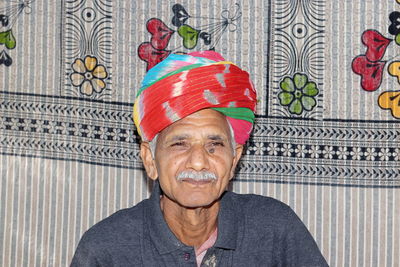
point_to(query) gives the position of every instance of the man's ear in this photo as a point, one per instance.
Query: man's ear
(148, 161)
(236, 158)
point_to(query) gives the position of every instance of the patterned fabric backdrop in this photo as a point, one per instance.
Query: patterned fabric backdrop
(327, 134)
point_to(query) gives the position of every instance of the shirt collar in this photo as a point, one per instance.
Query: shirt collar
(163, 238)
(227, 223)
(166, 242)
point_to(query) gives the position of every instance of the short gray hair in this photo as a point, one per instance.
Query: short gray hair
(153, 142)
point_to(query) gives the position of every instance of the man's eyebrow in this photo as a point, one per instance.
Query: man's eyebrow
(177, 138)
(216, 137)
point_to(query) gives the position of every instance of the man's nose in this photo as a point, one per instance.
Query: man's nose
(197, 158)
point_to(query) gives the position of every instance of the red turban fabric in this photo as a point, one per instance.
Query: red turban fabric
(183, 84)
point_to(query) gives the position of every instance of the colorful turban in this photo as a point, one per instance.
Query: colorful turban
(183, 84)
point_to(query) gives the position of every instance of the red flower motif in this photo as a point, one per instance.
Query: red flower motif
(376, 44)
(151, 55)
(370, 72)
(370, 66)
(154, 52)
(160, 33)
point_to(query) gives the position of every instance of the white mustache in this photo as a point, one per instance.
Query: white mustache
(198, 176)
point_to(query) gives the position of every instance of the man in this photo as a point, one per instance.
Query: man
(194, 113)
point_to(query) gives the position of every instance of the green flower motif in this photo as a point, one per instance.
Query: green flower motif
(298, 93)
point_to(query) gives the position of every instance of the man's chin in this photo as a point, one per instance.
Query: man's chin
(198, 201)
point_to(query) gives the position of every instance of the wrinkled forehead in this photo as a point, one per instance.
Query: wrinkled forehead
(206, 122)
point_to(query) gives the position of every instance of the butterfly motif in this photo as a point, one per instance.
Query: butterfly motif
(210, 34)
(9, 13)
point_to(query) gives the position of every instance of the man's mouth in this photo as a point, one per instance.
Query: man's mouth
(197, 182)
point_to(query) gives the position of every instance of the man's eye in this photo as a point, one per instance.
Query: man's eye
(217, 143)
(178, 144)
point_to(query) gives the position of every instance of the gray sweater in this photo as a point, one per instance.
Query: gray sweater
(252, 231)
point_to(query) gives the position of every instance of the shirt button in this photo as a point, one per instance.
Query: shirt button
(186, 256)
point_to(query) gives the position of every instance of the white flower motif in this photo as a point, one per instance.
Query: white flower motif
(54, 127)
(328, 152)
(315, 151)
(273, 149)
(370, 153)
(74, 129)
(356, 153)
(15, 124)
(43, 126)
(384, 154)
(287, 150)
(342, 152)
(300, 151)
(259, 148)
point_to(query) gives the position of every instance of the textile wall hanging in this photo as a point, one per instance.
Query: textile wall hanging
(327, 134)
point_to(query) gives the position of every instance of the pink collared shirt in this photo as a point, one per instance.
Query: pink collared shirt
(202, 250)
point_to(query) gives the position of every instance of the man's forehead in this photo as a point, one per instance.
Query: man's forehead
(208, 123)
(178, 137)
(181, 132)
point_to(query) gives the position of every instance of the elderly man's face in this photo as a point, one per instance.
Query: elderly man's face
(199, 143)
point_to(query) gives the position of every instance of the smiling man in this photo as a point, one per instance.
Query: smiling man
(194, 113)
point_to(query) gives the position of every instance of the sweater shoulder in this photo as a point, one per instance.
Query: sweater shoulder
(262, 203)
(121, 225)
(263, 209)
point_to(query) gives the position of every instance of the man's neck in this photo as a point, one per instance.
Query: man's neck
(192, 226)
